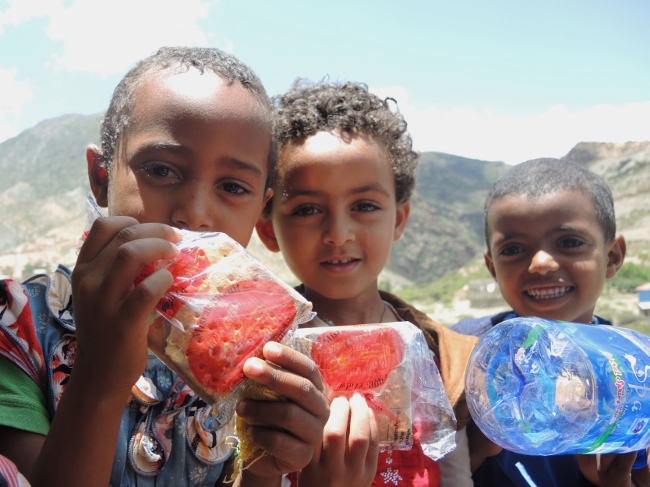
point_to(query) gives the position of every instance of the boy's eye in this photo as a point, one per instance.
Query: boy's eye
(159, 171)
(366, 206)
(234, 188)
(510, 250)
(571, 243)
(305, 211)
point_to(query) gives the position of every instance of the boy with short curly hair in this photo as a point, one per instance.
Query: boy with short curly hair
(346, 172)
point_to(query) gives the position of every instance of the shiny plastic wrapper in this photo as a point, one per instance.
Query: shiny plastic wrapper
(221, 309)
(392, 367)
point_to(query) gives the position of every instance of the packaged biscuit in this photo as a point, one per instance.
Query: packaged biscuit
(222, 308)
(391, 365)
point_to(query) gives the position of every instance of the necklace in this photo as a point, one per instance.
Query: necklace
(381, 318)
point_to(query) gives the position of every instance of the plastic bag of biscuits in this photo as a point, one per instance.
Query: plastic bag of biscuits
(391, 365)
(222, 308)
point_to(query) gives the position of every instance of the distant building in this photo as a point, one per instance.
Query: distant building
(644, 299)
(484, 293)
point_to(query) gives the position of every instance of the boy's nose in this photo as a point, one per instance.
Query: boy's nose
(338, 231)
(542, 263)
(192, 208)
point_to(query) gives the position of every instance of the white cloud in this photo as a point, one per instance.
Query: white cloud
(13, 95)
(19, 11)
(107, 37)
(485, 134)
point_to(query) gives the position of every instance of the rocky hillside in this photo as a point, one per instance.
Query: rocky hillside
(626, 168)
(43, 187)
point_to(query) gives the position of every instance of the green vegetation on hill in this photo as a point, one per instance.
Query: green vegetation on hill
(629, 277)
(444, 289)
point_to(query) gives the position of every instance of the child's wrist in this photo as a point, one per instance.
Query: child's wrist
(248, 478)
(92, 388)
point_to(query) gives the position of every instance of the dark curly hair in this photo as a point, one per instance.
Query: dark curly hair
(540, 177)
(308, 108)
(176, 60)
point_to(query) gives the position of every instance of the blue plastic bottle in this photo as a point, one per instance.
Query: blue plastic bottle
(541, 387)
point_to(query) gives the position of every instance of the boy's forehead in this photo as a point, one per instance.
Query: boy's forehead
(553, 200)
(522, 210)
(326, 145)
(173, 94)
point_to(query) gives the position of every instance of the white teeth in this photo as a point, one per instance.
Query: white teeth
(344, 261)
(548, 293)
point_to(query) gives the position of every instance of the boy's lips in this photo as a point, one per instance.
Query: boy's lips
(340, 264)
(552, 292)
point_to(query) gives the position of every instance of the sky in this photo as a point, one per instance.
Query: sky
(502, 80)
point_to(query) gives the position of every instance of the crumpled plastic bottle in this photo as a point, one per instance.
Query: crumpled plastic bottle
(542, 387)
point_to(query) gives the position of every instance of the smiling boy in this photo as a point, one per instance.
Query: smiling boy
(551, 239)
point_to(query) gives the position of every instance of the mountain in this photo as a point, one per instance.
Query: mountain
(44, 180)
(445, 229)
(626, 168)
(43, 188)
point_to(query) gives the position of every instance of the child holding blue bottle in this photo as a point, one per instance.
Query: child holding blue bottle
(551, 240)
(186, 143)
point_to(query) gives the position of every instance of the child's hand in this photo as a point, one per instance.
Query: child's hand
(608, 469)
(480, 447)
(350, 447)
(110, 313)
(290, 431)
(641, 476)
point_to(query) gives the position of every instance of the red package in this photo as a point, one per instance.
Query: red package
(222, 308)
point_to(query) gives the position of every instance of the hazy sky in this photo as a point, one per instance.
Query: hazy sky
(497, 80)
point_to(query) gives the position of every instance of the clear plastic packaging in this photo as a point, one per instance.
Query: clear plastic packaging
(392, 366)
(221, 309)
(542, 387)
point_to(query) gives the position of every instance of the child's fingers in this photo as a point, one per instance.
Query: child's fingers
(293, 361)
(615, 468)
(101, 233)
(142, 300)
(114, 254)
(289, 454)
(284, 416)
(292, 375)
(336, 429)
(117, 230)
(363, 442)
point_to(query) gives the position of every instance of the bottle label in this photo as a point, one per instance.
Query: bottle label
(621, 361)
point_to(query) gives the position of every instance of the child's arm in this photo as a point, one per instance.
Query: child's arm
(290, 431)
(20, 447)
(350, 447)
(111, 319)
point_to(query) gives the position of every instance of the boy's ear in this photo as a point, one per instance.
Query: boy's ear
(402, 212)
(264, 227)
(615, 256)
(268, 195)
(97, 175)
(489, 264)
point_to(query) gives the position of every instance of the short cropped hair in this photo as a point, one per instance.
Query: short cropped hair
(308, 108)
(176, 60)
(540, 177)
